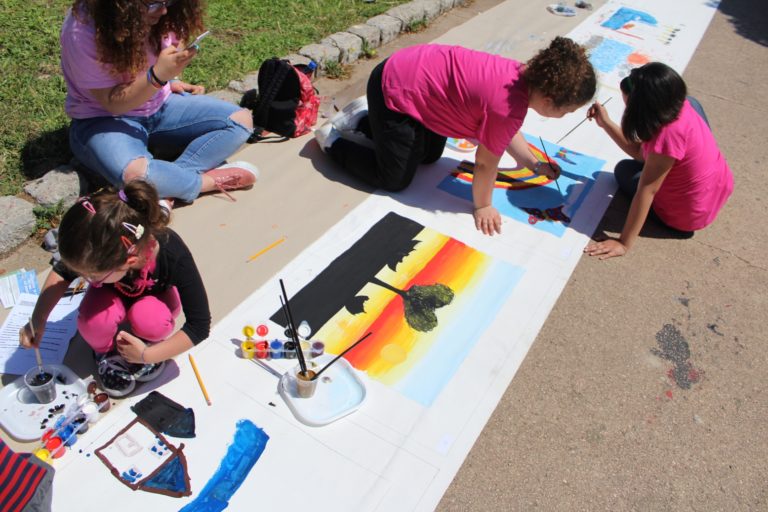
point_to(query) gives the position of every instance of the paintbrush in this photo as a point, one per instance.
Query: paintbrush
(581, 122)
(340, 355)
(38, 355)
(294, 333)
(549, 164)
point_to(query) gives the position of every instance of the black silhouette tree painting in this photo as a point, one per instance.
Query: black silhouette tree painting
(387, 243)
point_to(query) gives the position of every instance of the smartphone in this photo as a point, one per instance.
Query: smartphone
(197, 41)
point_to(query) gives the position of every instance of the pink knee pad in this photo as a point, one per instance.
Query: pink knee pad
(152, 319)
(100, 314)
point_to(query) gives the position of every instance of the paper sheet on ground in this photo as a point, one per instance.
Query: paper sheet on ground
(61, 327)
(22, 281)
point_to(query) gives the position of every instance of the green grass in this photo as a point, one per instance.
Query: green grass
(33, 136)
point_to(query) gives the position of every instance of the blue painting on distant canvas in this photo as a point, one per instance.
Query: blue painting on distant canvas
(626, 15)
(528, 198)
(609, 55)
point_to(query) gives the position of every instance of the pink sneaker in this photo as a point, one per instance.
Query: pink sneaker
(234, 176)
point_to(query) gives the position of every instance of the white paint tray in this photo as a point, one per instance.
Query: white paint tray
(339, 392)
(20, 412)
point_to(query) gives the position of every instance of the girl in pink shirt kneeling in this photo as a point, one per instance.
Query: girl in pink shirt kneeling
(425, 93)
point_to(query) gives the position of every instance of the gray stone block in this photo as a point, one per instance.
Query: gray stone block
(62, 184)
(446, 5)
(321, 53)
(348, 44)
(368, 33)
(390, 27)
(226, 95)
(408, 14)
(432, 8)
(297, 60)
(17, 222)
(250, 81)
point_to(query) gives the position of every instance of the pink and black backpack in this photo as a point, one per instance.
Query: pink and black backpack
(285, 103)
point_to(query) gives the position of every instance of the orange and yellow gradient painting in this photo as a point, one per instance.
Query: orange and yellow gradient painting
(417, 363)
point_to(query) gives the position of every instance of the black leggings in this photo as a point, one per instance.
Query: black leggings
(627, 172)
(401, 143)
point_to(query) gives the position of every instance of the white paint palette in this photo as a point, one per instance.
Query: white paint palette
(339, 392)
(21, 415)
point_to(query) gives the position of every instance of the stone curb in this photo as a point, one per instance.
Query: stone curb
(348, 46)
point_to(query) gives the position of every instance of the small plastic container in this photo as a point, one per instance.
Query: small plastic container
(41, 384)
(248, 349)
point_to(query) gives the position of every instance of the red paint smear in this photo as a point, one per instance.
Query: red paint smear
(669, 394)
(638, 59)
(439, 269)
(694, 375)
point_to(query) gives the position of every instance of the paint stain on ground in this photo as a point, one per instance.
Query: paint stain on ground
(713, 328)
(673, 347)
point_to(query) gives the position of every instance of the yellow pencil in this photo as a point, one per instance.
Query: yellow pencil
(267, 248)
(199, 380)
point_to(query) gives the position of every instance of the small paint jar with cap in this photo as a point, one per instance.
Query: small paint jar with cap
(289, 350)
(276, 349)
(318, 348)
(262, 349)
(248, 349)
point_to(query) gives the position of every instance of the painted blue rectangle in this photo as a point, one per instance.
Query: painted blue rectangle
(248, 445)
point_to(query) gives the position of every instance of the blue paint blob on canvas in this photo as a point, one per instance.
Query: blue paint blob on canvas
(171, 477)
(248, 445)
(578, 177)
(609, 54)
(626, 15)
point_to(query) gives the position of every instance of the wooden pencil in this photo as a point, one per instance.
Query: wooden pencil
(199, 380)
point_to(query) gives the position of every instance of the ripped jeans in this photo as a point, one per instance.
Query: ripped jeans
(198, 126)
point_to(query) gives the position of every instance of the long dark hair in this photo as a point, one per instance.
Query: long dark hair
(655, 95)
(95, 232)
(121, 33)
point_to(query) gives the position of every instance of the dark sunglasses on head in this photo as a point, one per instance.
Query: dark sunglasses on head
(156, 6)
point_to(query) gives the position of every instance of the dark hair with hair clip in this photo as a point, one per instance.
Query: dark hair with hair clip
(100, 231)
(563, 73)
(655, 95)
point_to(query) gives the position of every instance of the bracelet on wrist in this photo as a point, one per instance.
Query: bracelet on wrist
(142, 354)
(151, 81)
(536, 167)
(154, 80)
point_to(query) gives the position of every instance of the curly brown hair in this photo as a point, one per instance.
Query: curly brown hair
(562, 72)
(122, 33)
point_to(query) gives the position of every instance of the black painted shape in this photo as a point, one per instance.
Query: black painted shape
(387, 243)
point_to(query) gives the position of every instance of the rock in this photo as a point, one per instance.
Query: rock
(408, 14)
(321, 53)
(432, 8)
(298, 60)
(349, 45)
(368, 33)
(17, 222)
(390, 27)
(62, 184)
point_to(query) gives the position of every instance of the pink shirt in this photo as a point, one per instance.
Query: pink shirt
(700, 181)
(83, 71)
(457, 92)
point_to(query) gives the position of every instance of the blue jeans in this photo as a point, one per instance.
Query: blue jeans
(198, 126)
